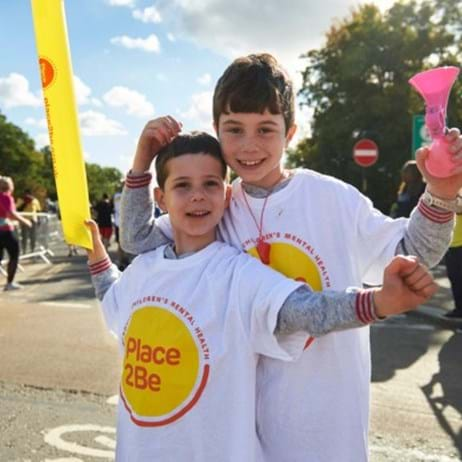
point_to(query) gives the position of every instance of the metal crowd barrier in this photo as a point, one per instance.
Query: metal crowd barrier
(47, 231)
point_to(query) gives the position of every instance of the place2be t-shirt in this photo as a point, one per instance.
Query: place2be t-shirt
(190, 332)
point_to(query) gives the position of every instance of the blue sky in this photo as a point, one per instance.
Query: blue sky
(134, 60)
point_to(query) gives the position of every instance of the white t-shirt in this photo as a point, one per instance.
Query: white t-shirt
(324, 232)
(190, 333)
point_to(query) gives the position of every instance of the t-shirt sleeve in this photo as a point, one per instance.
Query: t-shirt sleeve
(376, 238)
(262, 292)
(111, 305)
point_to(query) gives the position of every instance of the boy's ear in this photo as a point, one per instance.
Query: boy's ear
(159, 198)
(228, 192)
(290, 134)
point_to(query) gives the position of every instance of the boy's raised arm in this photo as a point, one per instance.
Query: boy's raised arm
(428, 233)
(103, 272)
(406, 284)
(138, 231)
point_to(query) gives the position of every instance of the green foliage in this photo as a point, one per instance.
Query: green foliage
(32, 169)
(358, 86)
(102, 180)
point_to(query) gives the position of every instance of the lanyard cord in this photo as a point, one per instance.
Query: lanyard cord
(259, 227)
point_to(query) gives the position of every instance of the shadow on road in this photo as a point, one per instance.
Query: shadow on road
(443, 391)
(407, 350)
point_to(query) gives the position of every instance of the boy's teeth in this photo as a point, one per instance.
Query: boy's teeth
(198, 214)
(250, 162)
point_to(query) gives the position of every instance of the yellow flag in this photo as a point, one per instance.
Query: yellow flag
(61, 112)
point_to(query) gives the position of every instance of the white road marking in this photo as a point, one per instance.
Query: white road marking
(105, 441)
(414, 453)
(54, 437)
(114, 400)
(403, 326)
(66, 305)
(63, 459)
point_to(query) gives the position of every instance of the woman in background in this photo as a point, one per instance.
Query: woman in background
(8, 240)
(411, 188)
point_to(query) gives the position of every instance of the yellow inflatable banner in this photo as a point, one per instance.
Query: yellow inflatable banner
(61, 112)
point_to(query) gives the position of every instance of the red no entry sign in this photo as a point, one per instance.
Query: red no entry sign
(365, 152)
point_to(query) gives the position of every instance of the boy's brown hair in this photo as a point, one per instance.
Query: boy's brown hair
(192, 143)
(255, 83)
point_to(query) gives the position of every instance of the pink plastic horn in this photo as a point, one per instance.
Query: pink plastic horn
(434, 86)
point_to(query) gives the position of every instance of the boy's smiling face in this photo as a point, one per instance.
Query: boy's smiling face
(253, 145)
(194, 195)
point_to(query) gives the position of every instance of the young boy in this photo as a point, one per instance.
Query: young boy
(310, 227)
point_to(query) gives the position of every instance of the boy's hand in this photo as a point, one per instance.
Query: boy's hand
(155, 135)
(406, 284)
(444, 188)
(99, 252)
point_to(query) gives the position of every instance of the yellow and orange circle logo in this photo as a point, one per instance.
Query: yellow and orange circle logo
(293, 263)
(47, 72)
(164, 373)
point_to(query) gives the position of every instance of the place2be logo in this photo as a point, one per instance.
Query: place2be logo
(165, 365)
(47, 71)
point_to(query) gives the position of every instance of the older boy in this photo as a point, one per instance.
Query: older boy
(310, 227)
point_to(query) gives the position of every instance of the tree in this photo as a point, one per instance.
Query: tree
(102, 180)
(32, 169)
(358, 86)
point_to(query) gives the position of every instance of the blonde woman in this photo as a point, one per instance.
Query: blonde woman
(8, 240)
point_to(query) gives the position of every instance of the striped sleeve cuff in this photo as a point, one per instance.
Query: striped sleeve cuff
(434, 214)
(364, 306)
(100, 266)
(138, 181)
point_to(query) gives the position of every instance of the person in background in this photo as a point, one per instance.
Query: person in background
(29, 204)
(8, 240)
(411, 188)
(123, 258)
(103, 217)
(453, 260)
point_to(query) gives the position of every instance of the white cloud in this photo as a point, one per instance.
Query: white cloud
(129, 3)
(82, 91)
(303, 118)
(241, 27)
(14, 92)
(133, 102)
(150, 14)
(199, 113)
(96, 102)
(98, 124)
(41, 123)
(171, 37)
(204, 79)
(150, 44)
(42, 140)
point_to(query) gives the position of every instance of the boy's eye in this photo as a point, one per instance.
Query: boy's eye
(266, 130)
(233, 130)
(181, 185)
(212, 183)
